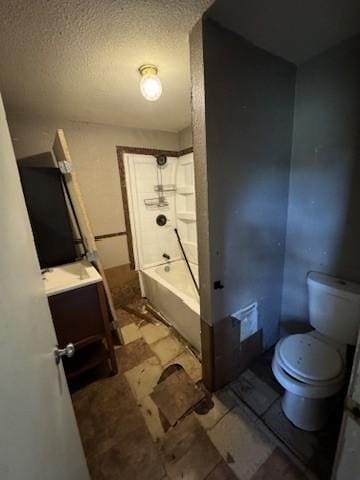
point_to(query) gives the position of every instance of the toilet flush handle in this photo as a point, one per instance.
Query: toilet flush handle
(68, 352)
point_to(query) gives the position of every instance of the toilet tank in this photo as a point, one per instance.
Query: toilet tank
(334, 307)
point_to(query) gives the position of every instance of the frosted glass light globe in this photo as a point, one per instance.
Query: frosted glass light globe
(150, 84)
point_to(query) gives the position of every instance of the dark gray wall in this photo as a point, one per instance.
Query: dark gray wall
(249, 96)
(296, 31)
(323, 231)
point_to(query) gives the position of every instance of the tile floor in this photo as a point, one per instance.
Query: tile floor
(243, 436)
(261, 393)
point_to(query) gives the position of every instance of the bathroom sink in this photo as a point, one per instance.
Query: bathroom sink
(69, 277)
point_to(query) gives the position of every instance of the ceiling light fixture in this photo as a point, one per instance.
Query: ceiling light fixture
(150, 84)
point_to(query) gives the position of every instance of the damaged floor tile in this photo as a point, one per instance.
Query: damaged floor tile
(176, 395)
(154, 332)
(278, 466)
(130, 333)
(254, 392)
(302, 443)
(222, 471)
(242, 445)
(116, 440)
(129, 459)
(224, 400)
(187, 451)
(179, 438)
(125, 430)
(151, 415)
(190, 364)
(144, 377)
(197, 462)
(167, 349)
(125, 318)
(130, 355)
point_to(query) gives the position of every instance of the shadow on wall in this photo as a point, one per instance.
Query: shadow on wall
(253, 226)
(45, 159)
(323, 229)
(249, 119)
(348, 256)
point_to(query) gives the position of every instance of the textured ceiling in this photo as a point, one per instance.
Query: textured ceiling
(293, 29)
(78, 59)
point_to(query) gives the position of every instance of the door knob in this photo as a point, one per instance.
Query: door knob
(68, 352)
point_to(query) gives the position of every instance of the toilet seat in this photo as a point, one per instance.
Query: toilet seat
(298, 383)
(309, 360)
(304, 389)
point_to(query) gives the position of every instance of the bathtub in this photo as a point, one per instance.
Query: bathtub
(170, 289)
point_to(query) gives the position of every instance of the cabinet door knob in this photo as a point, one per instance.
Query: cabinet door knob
(68, 352)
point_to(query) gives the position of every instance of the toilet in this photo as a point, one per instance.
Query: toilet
(311, 366)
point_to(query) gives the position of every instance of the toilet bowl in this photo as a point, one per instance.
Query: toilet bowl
(311, 367)
(311, 372)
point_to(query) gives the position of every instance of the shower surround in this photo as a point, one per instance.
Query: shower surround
(161, 197)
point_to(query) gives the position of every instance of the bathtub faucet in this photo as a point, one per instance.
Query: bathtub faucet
(165, 255)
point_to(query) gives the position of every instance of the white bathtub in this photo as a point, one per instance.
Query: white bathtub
(170, 289)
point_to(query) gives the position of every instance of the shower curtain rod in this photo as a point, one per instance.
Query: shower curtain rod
(186, 260)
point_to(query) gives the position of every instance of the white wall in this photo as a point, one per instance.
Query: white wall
(185, 138)
(93, 149)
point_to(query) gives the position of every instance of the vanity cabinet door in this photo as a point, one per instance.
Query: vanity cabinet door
(77, 315)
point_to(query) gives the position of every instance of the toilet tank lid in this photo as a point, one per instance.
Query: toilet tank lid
(340, 286)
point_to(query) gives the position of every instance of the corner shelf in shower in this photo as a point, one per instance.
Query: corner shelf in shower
(185, 190)
(187, 216)
(159, 202)
(189, 244)
(165, 188)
